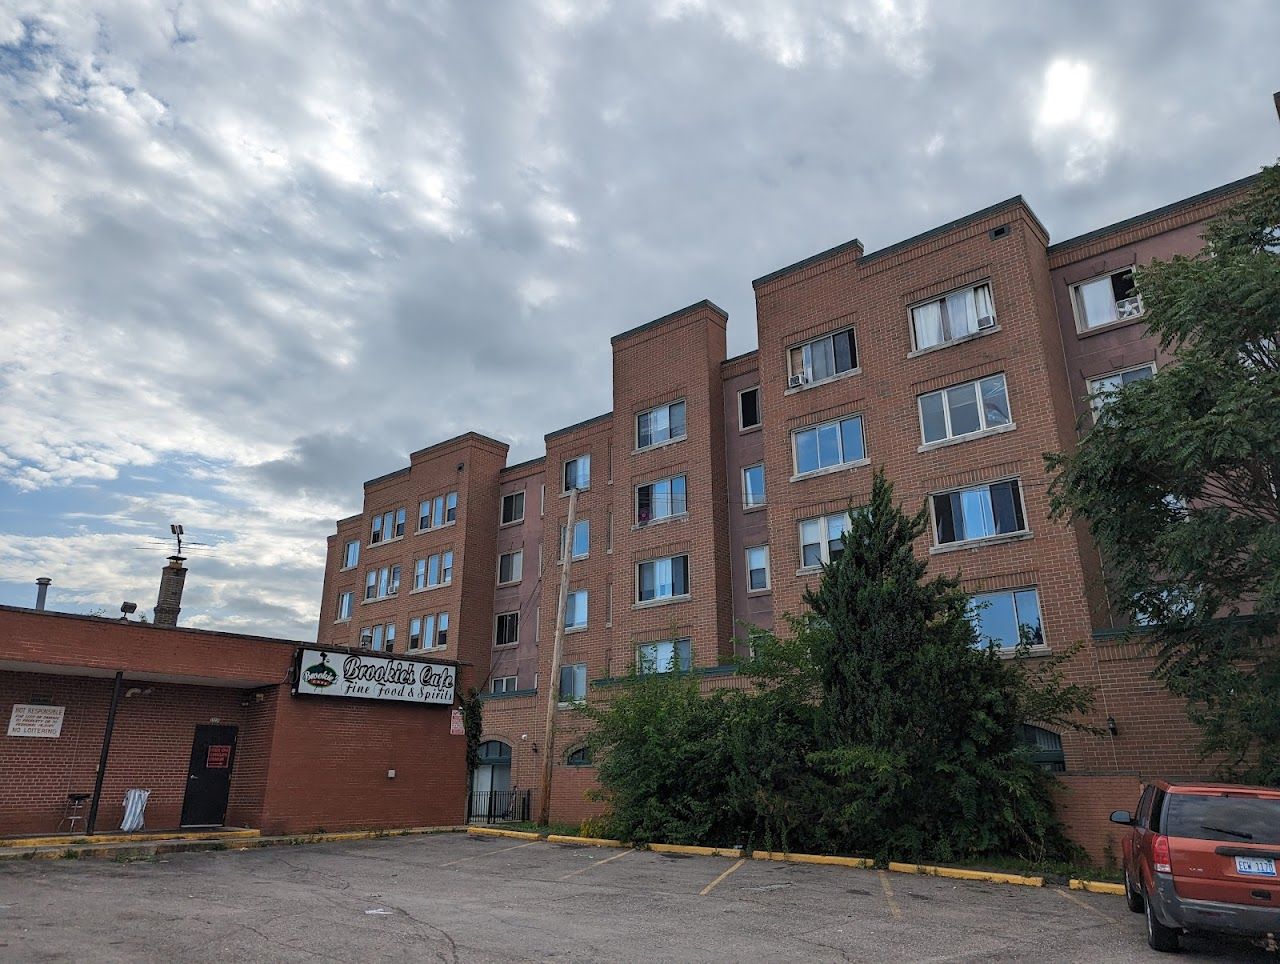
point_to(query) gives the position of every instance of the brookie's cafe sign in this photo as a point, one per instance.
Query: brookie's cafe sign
(367, 676)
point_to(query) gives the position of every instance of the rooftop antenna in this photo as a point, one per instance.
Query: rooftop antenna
(176, 529)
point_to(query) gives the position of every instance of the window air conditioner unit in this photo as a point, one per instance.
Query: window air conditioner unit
(985, 322)
(795, 381)
(366, 642)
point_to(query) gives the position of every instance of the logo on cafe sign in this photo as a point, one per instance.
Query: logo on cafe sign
(374, 677)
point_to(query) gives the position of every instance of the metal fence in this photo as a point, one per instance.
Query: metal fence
(499, 806)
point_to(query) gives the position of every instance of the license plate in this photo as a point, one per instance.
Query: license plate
(1256, 866)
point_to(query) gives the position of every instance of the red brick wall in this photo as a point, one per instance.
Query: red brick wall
(1084, 804)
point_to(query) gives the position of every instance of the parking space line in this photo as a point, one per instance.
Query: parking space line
(490, 853)
(888, 893)
(596, 863)
(1087, 906)
(716, 883)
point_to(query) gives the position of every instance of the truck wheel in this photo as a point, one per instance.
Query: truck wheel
(1161, 938)
(1133, 897)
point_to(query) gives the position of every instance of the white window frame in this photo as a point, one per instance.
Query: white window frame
(976, 600)
(497, 626)
(1133, 305)
(844, 462)
(673, 595)
(585, 524)
(646, 665)
(578, 673)
(571, 607)
(581, 461)
(805, 377)
(824, 544)
(747, 502)
(984, 428)
(348, 563)
(742, 426)
(346, 606)
(670, 438)
(1098, 397)
(768, 583)
(1020, 508)
(517, 567)
(502, 510)
(670, 514)
(504, 684)
(993, 321)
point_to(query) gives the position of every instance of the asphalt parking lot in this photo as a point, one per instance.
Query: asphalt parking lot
(457, 898)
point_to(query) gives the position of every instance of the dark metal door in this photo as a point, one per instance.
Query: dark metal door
(209, 778)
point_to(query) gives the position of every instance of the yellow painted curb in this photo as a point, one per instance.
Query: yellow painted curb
(958, 874)
(663, 848)
(1096, 887)
(495, 832)
(112, 838)
(860, 862)
(586, 841)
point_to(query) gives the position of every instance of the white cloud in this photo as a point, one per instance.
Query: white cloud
(1074, 119)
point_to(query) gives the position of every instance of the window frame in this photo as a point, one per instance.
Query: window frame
(347, 562)
(746, 494)
(347, 596)
(917, 349)
(984, 429)
(586, 609)
(573, 542)
(683, 661)
(502, 511)
(564, 473)
(863, 459)
(768, 582)
(517, 567)
(576, 670)
(808, 380)
(510, 684)
(1013, 596)
(653, 519)
(579, 758)
(498, 627)
(1081, 315)
(824, 544)
(670, 439)
(1019, 508)
(1093, 396)
(742, 426)
(674, 596)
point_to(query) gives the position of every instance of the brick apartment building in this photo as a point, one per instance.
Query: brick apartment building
(711, 493)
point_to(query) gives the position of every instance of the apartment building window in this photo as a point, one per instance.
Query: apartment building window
(757, 568)
(749, 408)
(429, 632)
(577, 473)
(965, 409)
(822, 358)
(1111, 297)
(662, 424)
(435, 570)
(573, 684)
(753, 486)
(380, 638)
(661, 500)
(433, 513)
(507, 630)
(389, 525)
(344, 605)
(1005, 618)
(665, 578)
(351, 555)
(512, 508)
(828, 445)
(979, 512)
(665, 656)
(380, 583)
(820, 539)
(1103, 389)
(952, 317)
(503, 684)
(581, 757)
(581, 546)
(451, 508)
(575, 609)
(510, 566)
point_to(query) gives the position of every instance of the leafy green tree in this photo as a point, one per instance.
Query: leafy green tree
(1179, 483)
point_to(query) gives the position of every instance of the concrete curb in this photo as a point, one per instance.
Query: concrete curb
(583, 841)
(956, 873)
(98, 839)
(513, 834)
(862, 863)
(662, 848)
(1096, 886)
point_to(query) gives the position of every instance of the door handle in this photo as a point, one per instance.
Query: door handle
(193, 777)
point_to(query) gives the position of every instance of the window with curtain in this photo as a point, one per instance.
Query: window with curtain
(662, 578)
(978, 512)
(953, 316)
(964, 409)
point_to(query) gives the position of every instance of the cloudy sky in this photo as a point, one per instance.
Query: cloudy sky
(251, 255)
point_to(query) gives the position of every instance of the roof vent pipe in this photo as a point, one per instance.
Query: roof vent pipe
(42, 591)
(169, 602)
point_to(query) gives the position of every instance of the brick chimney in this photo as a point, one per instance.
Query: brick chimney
(169, 602)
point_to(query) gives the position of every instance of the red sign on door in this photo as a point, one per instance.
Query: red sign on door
(219, 757)
(455, 724)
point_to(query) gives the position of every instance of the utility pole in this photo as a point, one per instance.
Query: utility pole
(553, 687)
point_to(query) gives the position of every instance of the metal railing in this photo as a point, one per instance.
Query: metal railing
(499, 806)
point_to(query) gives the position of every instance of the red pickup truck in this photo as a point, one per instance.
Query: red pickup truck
(1203, 857)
